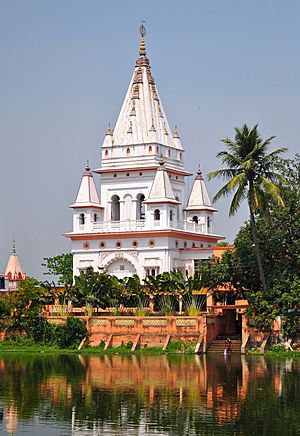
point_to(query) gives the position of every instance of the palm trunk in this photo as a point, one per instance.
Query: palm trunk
(257, 250)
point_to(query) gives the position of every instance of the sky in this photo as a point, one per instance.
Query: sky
(64, 70)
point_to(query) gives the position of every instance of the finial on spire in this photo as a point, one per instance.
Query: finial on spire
(176, 134)
(13, 247)
(199, 173)
(87, 167)
(142, 30)
(109, 131)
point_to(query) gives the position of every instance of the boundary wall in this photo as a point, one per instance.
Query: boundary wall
(149, 331)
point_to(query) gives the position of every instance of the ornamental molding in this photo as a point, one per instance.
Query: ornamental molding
(124, 322)
(154, 322)
(103, 255)
(133, 253)
(107, 258)
(185, 322)
(98, 322)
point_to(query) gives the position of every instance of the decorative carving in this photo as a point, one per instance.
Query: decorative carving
(154, 322)
(98, 322)
(124, 322)
(132, 253)
(132, 113)
(184, 322)
(103, 255)
(130, 127)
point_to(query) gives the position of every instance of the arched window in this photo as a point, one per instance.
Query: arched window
(171, 215)
(208, 222)
(128, 152)
(115, 208)
(195, 219)
(82, 219)
(178, 212)
(157, 215)
(153, 272)
(150, 149)
(140, 207)
(180, 156)
(169, 153)
(95, 217)
(106, 153)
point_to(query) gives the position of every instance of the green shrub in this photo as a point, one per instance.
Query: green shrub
(180, 346)
(40, 330)
(279, 348)
(70, 334)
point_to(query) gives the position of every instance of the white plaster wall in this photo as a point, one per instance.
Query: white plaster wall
(164, 255)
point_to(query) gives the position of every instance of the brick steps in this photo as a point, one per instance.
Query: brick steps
(218, 345)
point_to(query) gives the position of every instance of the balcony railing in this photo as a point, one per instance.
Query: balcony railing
(119, 226)
(138, 225)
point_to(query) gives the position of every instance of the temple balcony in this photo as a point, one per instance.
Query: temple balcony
(140, 225)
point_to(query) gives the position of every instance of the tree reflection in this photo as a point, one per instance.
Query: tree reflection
(170, 394)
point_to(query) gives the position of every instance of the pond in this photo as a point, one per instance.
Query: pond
(64, 394)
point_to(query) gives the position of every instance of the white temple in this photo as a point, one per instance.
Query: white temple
(141, 222)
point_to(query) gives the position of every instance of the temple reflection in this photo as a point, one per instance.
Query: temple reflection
(93, 391)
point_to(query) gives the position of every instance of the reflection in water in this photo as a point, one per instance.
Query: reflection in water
(115, 394)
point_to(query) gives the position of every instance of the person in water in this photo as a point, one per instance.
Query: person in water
(228, 346)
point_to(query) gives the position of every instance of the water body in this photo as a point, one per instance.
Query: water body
(44, 394)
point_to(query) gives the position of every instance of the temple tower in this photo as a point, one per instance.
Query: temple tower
(142, 225)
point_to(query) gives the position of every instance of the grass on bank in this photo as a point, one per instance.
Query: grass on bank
(23, 343)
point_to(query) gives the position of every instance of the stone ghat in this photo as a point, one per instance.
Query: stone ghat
(149, 331)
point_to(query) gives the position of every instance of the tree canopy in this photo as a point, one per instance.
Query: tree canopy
(252, 174)
(279, 236)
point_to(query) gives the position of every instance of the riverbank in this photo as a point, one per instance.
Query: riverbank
(175, 347)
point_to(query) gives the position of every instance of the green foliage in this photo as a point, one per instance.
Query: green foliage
(279, 235)
(223, 244)
(166, 305)
(36, 330)
(181, 347)
(94, 289)
(61, 266)
(39, 330)
(254, 175)
(18, 307)
(193, 304)
(70, 334)
(4, 307)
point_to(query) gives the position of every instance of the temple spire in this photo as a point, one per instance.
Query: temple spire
(142, 119)
(87, 195)
(199, 198)
(14, 272)
(161, 190)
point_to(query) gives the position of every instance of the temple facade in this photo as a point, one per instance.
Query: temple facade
(141, 222)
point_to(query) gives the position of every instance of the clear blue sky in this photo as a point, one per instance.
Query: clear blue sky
(64, 70)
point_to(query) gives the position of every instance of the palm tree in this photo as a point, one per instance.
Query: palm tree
(253, 174)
